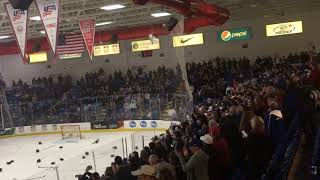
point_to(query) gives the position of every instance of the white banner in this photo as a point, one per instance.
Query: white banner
(284, 28)
(144, 45)
(18, 19)
(188, 40)
(49, 13)
(143, 124)
(109, 49)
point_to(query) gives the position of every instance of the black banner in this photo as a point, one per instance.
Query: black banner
(103, 125)
(99, 125)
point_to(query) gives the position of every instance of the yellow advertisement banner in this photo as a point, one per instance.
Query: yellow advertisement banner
(284, 28)
(145, 45)
(106, 49)
(188, 40)
(38, 57)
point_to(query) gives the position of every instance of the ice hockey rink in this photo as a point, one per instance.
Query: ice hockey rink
(22, 150)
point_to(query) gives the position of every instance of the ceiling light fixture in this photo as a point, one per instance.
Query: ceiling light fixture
(103, 23)
(4, 37)
(42, 32)
(161, 14)
(112, 7)
(36, 18)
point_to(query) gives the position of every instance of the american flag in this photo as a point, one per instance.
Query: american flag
(71, 43)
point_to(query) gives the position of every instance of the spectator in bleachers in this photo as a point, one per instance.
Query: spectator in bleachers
(196, 167)
(259, 149)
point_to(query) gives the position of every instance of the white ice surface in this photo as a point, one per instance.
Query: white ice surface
(22, 150)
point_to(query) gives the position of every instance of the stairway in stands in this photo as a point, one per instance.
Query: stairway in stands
(300, 169)
(5, 118)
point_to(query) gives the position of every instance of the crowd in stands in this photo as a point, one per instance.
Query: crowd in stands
(242, 115)
(41, 89)
(161, 81)
(215, 75)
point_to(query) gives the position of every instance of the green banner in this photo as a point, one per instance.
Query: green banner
(234, 34)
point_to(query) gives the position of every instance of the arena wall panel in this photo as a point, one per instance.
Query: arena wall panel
(48, 128)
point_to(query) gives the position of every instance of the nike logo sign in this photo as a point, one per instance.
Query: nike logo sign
(185, 40)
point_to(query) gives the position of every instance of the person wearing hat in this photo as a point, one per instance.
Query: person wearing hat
(145, 172)
(196, 167)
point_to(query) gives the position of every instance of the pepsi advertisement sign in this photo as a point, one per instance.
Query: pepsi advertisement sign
(238, 34)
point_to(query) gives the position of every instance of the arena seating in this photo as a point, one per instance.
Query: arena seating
(219, 85)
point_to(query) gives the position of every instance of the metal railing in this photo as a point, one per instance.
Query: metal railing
(110, 108)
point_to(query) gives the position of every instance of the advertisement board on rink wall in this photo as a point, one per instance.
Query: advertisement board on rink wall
(147, 124)
(48, 128)
(7, 131)
(96, 125)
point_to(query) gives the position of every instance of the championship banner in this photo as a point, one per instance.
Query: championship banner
(18, 20)
(188, 40)
(88, 28)
(49, 13)
(284, 28)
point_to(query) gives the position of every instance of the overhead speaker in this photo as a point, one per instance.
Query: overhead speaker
(114, 38)
(172, 22)
(20, 4)
(140, 2)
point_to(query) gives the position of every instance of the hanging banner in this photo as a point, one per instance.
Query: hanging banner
(49, 13)
(109, 49)
(188, 40)
(38, 57)
(284, 28)
(237, 34)
(144, 45)
(18, 20)
(88, 28)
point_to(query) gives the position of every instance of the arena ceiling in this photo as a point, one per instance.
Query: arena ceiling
(134, 15)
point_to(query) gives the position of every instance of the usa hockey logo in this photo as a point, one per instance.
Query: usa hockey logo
(17, 14)
(47, 10)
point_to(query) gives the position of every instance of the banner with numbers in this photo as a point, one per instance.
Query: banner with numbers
(88, 30)
(18, 20)
(49, 13)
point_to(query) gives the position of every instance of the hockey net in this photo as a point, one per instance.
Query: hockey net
(70, 132)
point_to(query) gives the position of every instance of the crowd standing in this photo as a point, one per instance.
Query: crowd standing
(241, 114)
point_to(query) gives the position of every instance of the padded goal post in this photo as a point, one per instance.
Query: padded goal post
(70, 132)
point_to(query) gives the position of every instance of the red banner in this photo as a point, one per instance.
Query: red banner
(88, 28)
